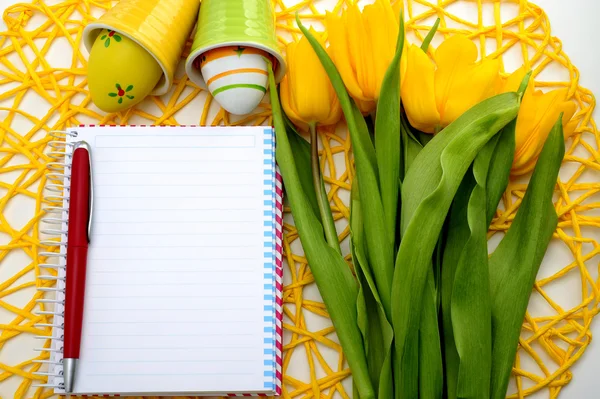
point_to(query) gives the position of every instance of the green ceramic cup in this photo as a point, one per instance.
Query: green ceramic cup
(223, 23)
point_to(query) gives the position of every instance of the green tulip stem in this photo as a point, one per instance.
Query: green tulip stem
(326, 216)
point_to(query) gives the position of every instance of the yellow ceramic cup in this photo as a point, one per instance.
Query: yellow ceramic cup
(162, 27)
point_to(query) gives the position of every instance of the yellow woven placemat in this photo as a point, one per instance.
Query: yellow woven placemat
(553, 338)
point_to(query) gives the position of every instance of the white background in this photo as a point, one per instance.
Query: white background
(576, 23)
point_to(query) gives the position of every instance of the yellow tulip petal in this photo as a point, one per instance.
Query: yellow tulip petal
(366, 107)
(530, 151)
(523, 169)
(470, 86)
(363, 46)
(418, 94)
(570, 126)
(286, 103)
(335, 110)
(288, 99)
(311, 83)
(459, 82)
(457, 49)
(513, 81)
(359, 42)
(562, 106)
(550, 108)
(307, 95)
(534, 116)
(526, 157)
(397, 8)
(451, 57)
(527, 119)
(403, 65)
(382, 29)
(340, 53)
(392, 27)
(539, 112)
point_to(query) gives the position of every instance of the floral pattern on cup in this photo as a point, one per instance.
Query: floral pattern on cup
(108, 36)
(122, 93)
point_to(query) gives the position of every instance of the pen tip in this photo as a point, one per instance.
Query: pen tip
(69, 373)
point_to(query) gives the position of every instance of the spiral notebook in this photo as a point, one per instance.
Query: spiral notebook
(183, 288)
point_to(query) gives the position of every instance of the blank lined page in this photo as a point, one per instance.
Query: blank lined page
(179, 254)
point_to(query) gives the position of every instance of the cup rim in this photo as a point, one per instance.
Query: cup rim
(195, 75)
(88, 39)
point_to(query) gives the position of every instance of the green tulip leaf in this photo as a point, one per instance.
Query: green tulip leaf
(431, 372)
(457, 236)
(380, 251)
(410, 146)
(427, 193)
(376, 330)
(516, 261)
(301, 151)
(388, 138)
(430, 35)
(332, 274)
(499, 171)
(470, 306)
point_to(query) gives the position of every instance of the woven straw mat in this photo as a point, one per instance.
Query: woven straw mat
(40, 92)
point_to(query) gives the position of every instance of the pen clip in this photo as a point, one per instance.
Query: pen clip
(86, 146)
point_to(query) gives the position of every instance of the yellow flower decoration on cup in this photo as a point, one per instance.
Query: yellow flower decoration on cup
(362, 48)
(538, 114)
(307, 95)
(434, 94)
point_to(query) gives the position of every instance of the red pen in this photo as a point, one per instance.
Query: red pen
(78, 236)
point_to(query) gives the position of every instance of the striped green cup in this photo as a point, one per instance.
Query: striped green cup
(233, 23)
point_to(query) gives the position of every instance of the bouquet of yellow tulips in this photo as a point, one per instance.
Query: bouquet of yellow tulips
(425, 311)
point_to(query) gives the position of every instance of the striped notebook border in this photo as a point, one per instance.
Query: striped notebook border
(269, 259)
(273, 270)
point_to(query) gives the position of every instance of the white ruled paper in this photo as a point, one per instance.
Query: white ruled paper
(176, 265)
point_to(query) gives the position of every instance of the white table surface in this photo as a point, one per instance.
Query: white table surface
(575, 22)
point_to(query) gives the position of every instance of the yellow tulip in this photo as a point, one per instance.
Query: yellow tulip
(307, 95)
(538, 114)
(362, 48)
(308, 99)
(435, 94)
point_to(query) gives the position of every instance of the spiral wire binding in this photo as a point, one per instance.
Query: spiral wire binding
(58, 177)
